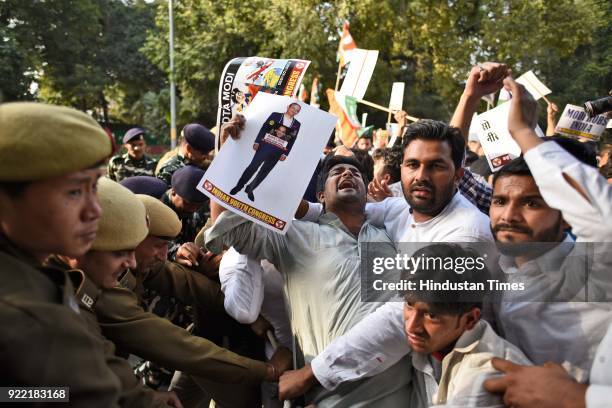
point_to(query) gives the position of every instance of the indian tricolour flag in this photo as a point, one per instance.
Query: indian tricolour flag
(345, 107)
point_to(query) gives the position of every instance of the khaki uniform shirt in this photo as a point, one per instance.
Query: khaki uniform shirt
(44, 340)
(133, 394)
(153, 338)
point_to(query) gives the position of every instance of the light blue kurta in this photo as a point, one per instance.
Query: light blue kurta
(320, 263)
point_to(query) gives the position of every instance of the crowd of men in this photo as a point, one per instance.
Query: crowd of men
(121, 281)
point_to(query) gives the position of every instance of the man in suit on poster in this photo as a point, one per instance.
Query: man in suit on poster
(272, 144)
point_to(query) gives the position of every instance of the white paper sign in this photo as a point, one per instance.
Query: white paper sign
(495, 139)
(361, 67)
(574, 122)
(397, 96)
(474, 126)
(263, 175)
(392, 129)
(498, 145)
(533, 85)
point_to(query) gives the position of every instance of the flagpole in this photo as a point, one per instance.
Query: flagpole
(338, 75)
(384, 108)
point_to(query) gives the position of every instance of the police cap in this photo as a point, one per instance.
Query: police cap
(124, 222)
(151, 186)
(133, 134)
(185, 181)
(40, 141)
(163, 222)
(199, 137)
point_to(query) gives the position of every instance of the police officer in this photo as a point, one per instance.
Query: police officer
(196, 144)
(135, 162)
(151, 337)
(49, 158)
(272, 144)
(189, 203)
(122, 227)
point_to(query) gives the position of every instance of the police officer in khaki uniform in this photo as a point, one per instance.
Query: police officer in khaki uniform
(49, 158)
(151, 337)
(122, 227)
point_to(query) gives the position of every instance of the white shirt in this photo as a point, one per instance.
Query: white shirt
(252, 288)
(590, 220)
(459, 221)
(600, 388)
(378, 341)
(564, 332)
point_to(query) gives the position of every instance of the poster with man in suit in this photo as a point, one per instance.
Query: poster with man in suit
(263, 174)
(273, 144)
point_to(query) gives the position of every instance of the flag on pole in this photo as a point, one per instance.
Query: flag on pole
(314, 93)
(346, 44)
(303, 93)
(345, 108)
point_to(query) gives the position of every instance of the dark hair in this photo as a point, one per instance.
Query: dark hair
(583, 151)
(427, 129)
(14, 188)
(470, 157)
(392, 159)
(294, 103)
(517, 167)
(330, 161)
(367, 163)
(453, 302)
(234, 92)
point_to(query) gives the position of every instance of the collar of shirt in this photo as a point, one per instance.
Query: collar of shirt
(550, 261)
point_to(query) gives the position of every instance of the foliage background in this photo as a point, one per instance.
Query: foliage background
(110, 57)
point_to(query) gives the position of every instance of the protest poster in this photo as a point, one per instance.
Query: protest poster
(574, 122)
(392, 129)
(532, 84)
(263, 175)
(244, 77)
(495, 139)
(396, 102)
(361, 65)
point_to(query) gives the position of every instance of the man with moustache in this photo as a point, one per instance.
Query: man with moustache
(320, 263)
(562, 332)
(583, 198)
(135, 162)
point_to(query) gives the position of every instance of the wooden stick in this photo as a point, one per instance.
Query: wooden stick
(338, 76)
(384, 108)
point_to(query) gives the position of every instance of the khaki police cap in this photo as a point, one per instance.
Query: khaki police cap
(39, 141)
(163, 222)
(124, 221)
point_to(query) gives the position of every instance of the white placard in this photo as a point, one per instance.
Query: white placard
(574, 122)
(273, 160)
(360, 69)
(533, 85)
(397, 96)
(498, 145)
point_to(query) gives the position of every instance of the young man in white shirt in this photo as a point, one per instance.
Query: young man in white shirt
(585, 201)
